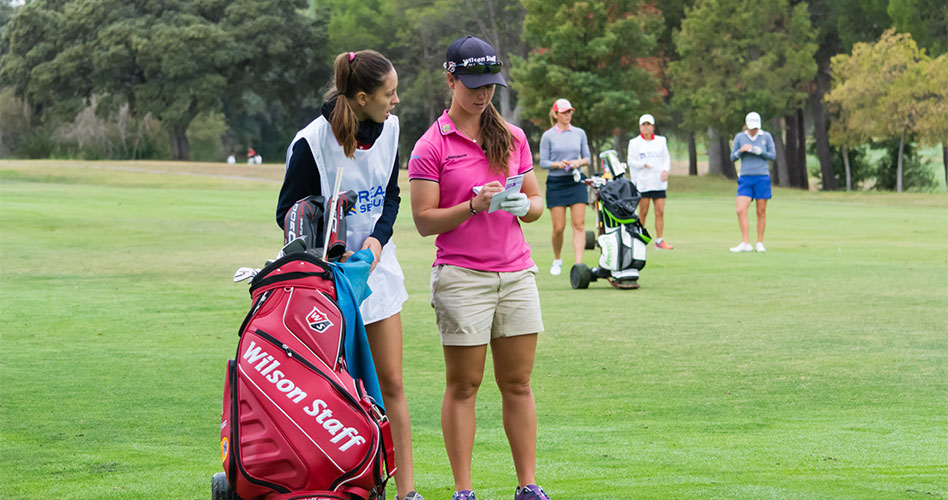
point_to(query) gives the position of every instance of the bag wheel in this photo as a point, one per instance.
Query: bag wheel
(590, 240)
(579, 276)
(220, 488)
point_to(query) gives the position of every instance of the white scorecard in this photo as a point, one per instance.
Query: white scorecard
(512, 186)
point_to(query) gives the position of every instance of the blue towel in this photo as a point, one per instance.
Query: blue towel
(351, 289)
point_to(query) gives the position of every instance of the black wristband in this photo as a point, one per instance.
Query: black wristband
(470, 206)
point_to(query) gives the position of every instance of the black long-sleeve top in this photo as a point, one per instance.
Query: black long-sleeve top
(302, 178)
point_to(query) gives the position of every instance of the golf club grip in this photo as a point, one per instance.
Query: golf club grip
(336, 245)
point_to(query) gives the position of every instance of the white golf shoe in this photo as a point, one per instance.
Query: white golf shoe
(743, 247)
(557, 268)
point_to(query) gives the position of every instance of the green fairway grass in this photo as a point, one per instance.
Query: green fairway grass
(816, 370)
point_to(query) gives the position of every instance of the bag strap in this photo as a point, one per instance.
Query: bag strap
(258, 302)
(264, 278)
(388, 445)
(311, 495)
(612, 217)
(279, 278)
(643, 234)
(356, 491)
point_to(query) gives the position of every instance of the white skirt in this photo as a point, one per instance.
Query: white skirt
(388, 288)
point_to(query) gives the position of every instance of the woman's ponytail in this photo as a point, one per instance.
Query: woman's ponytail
(353, 72)
(343, 120)
(497, 139)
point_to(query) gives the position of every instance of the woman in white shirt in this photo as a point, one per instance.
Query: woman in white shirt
(650, 162)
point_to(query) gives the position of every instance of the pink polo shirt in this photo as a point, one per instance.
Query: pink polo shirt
(486, 241)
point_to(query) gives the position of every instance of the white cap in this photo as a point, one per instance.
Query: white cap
(752, 120)
(562, 105)
(646, 118)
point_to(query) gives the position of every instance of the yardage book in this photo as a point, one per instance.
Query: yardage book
(512, 186)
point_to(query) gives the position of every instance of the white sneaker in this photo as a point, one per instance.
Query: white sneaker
(760, 247)
(557, 267)
(743, 247)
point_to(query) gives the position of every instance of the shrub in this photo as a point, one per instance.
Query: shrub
(915, 176)
(860, 168)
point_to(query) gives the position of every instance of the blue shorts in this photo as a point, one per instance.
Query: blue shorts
(754, 186)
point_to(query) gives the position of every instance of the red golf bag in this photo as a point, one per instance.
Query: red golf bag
(295, 424)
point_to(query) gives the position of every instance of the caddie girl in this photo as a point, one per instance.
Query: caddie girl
(357, 136)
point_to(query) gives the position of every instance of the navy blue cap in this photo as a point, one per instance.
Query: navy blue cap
(472, 50)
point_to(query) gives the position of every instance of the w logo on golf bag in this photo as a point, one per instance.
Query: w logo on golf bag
(318, 320)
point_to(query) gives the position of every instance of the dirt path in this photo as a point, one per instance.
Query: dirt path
(261, 173)
(272, 172)
(680, 167)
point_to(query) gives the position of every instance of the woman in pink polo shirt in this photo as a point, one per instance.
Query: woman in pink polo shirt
(483, 285)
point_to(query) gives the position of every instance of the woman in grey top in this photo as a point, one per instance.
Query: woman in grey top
(563, 151)
(753, 147)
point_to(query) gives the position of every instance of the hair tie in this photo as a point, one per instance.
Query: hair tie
(351, 56)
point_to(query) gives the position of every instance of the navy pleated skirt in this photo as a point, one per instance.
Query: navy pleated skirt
(562, 191)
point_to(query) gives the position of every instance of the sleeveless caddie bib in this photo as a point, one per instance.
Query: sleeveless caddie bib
(368, 175)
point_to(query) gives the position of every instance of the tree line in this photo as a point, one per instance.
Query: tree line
(206, 78)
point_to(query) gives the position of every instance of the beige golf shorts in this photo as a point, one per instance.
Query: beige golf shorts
(474, 307)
